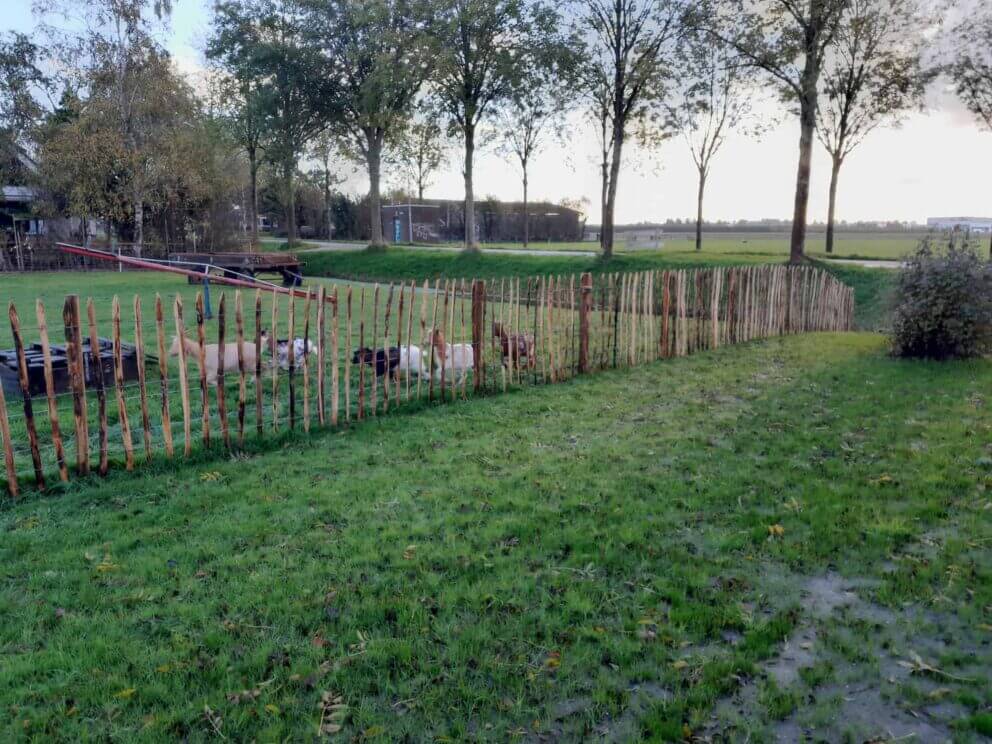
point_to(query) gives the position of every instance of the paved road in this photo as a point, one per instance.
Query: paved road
(868, 263)
(326, 247)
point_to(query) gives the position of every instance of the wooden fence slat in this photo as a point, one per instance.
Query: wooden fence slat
(53, 411)
(72, 322)
(347, 363)
(25, 384)
(335, 356)
(259, 388)
(321, 354)
(221, 369)
(239, 332)
(274, 359)
(96, 367)
(478, 332)
(8, 448)
(431, 340)
(163, 376)
(201, 338)
(177, 310)
(374, 397)
(291, 359)
(409, 337)
(399, 343)
(139, 349)
(306, 362)
(361, 345)
(461, 339)
(386, 377)
(585, 310)
(425, 295)
(122, 416)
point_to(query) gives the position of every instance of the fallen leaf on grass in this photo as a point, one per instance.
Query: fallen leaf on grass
(126, 693)
(410, 552)
(680, 665)
(776, 530)
(273, 709)
(213, 475)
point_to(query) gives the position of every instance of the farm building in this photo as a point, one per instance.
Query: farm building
(440, 220)
(969, 224)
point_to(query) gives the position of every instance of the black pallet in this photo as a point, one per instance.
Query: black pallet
(60, 367)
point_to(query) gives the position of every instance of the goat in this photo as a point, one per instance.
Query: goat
(211, 355)
(455, 359)
(517, 348)
(301, 347)
(384, 360)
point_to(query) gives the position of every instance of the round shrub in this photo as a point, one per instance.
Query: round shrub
(943, 304)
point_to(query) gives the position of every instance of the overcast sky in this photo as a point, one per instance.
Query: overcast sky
(933, 165)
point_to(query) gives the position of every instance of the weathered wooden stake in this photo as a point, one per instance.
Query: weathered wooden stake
(119, 387)
(22, 376)
(239, 331)
(53, 412)
(177, 310)
(221, 353)
(8, 446)
(96, 367)
(163, 376)
(139, 349)
(72, 321)
(334, 355)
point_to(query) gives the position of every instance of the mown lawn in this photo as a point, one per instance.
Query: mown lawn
(633, 555)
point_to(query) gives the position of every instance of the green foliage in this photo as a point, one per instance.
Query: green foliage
(942, 304)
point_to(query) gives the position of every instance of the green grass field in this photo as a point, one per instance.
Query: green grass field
(716, 246)
(790, 536)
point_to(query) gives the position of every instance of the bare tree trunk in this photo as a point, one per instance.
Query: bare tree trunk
(290, 168)
(139, 221)
(611, 193)
(834, 173)
(469, 195)
(526, 211)
(253, 173)
(699, 209)
(374, 159)
(807, 126)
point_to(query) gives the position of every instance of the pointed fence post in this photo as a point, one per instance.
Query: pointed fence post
(585, 308)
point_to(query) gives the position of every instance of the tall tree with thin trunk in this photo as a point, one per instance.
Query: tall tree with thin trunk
(268, 38)
(874, 73)
(241, 95)
(715, 100)
(631, 54)
(421, 150)
(525, 122)
(788, 39)
(381, 51)
(486, 46)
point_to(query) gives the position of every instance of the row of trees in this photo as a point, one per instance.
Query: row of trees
(643, 70)
(386, 83)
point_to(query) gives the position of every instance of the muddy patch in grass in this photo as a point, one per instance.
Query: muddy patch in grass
(854, 670)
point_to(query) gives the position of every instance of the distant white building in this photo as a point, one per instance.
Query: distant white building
(970, 224)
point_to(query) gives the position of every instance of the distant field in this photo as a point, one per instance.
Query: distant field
(681, 246)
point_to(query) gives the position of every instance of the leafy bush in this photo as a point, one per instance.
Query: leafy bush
(942, 304)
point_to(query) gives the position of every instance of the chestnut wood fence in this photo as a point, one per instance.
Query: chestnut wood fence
(87, 404)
